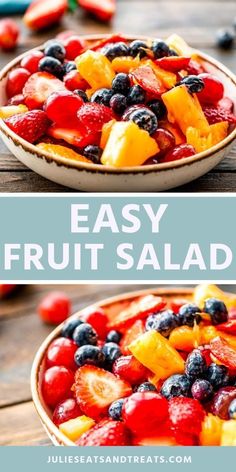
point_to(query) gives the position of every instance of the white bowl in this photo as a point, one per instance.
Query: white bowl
(99, 178)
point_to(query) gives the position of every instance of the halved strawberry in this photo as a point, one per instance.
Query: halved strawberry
(38, 88)
(218, 114)
(228, 327)
(106, 433)
(137, 310)
(30, 125)
(43, 13)
(137, 328)
(113, 38)
(145, 77)
(130, 369)
(102, 9)
(96, 389)
(222, 350)
(173, 63)
(94, 115)
(226, 104)
(76, 136)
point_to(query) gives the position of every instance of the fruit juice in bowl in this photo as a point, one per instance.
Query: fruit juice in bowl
(159, 361)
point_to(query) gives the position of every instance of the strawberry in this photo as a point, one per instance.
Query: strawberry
(62, 107)
(138, 309)
(106, 433)
(9, 33)
(113, 38)
(29, 126)
(146, 78)
(228, 327)
(74, 80)
(38, 88)
(102, 9)
(130, 369)
(173, 63)
(131, 335)
(194, 68)
(186, 416)
(43, 13)
(224, 353)
(218, 114)
(96, 389)
(176, 303)
(77, 136)
(94, 115)
(226, 104)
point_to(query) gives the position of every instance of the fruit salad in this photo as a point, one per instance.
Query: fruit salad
(151, 370)
(116, 102)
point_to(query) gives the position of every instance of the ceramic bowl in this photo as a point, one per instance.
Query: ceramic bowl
(99, 178)
(112, 305)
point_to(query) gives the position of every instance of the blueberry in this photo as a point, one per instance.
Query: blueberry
(195, 365)
(121, 83)
(102, 96)
(69, 327)
(82, 94)
(202, 390)
(118, 103)
(111, 352)
(56, 50)
(217, 375)
(69, 66)
(189, 314)
(158, 108)
(145, 119)
(138, 47)
(232, 410)
(194, 83)
(115, 409)
(136, 95)
(85, 334)
(163, 322)
(225, 39)
(51, 65)
(172, 52)
(160, 49)
(217, 310)
(93, 152)
(89, 355)
(146, 387)
(116, 50)
(113, 337)
(176, 386)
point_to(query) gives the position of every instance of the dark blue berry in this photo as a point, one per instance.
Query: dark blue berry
(51, 65)
(111, 352)
(89, 355)
(194, 83)
(202, 390)
(56, 50)
(82, 94)
(195, 365)
(69, 66)
(225, 39)
(189, 314)
(160, 49)
(176, 386)
(121, 83)
(158, 108)
(69, 327)
(217, 375)
(118, 103)
(93, 152)
(116, 50)
(138, 48)
(113, 337)
(217, 310)
(145, 119)
(85, 334)
(232, 410)
(136, 95)
(146, 387)
(163, 322)
(115, 409)
(172, 52)
(102, 96)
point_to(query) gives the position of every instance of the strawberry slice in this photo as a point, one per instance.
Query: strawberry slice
(131, 335)
(102, 9)
(38, 88)
(94, 115)
(176, 303)
(146, 78)
(228, 327)
(106, 433)
(29, 126)
(137, 310)
(221, 349)
(173, 63)
(111, 39)
(77, 136)
(218, 114)
(96, 389)
(43, 13)
(226, 104)
(195, 68)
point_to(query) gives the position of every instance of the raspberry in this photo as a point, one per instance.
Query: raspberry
(186, 416)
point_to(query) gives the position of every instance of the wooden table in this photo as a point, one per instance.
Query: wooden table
(196, 20)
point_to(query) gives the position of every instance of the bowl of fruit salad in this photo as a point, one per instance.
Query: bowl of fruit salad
(116, 113)
(153, 367)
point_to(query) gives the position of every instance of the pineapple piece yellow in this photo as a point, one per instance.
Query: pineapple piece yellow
(211, 431)
(228, 437)
(156, 353)
(204, 291)
(11, 110)
(125, 64)
(128, 145)
(74, 428)
(96, 69)
(179, 45)
(201, 141)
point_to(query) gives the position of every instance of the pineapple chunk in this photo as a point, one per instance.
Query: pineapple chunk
(167, 78)
(125, 64)
(201, 141)
(211, 431)
(228, 437)
(106, 131)
(185, 338)
(73, 429)
(10, 110)
(204, 291)
(179, 45)
(128, 145)
(185, 109)
(96, 69)
(156, 353)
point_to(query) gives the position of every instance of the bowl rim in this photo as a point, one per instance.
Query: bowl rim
(105, 169)
(35, 370)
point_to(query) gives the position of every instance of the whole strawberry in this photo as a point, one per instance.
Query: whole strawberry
(186, 416)
(106, 433)
(30, 125)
